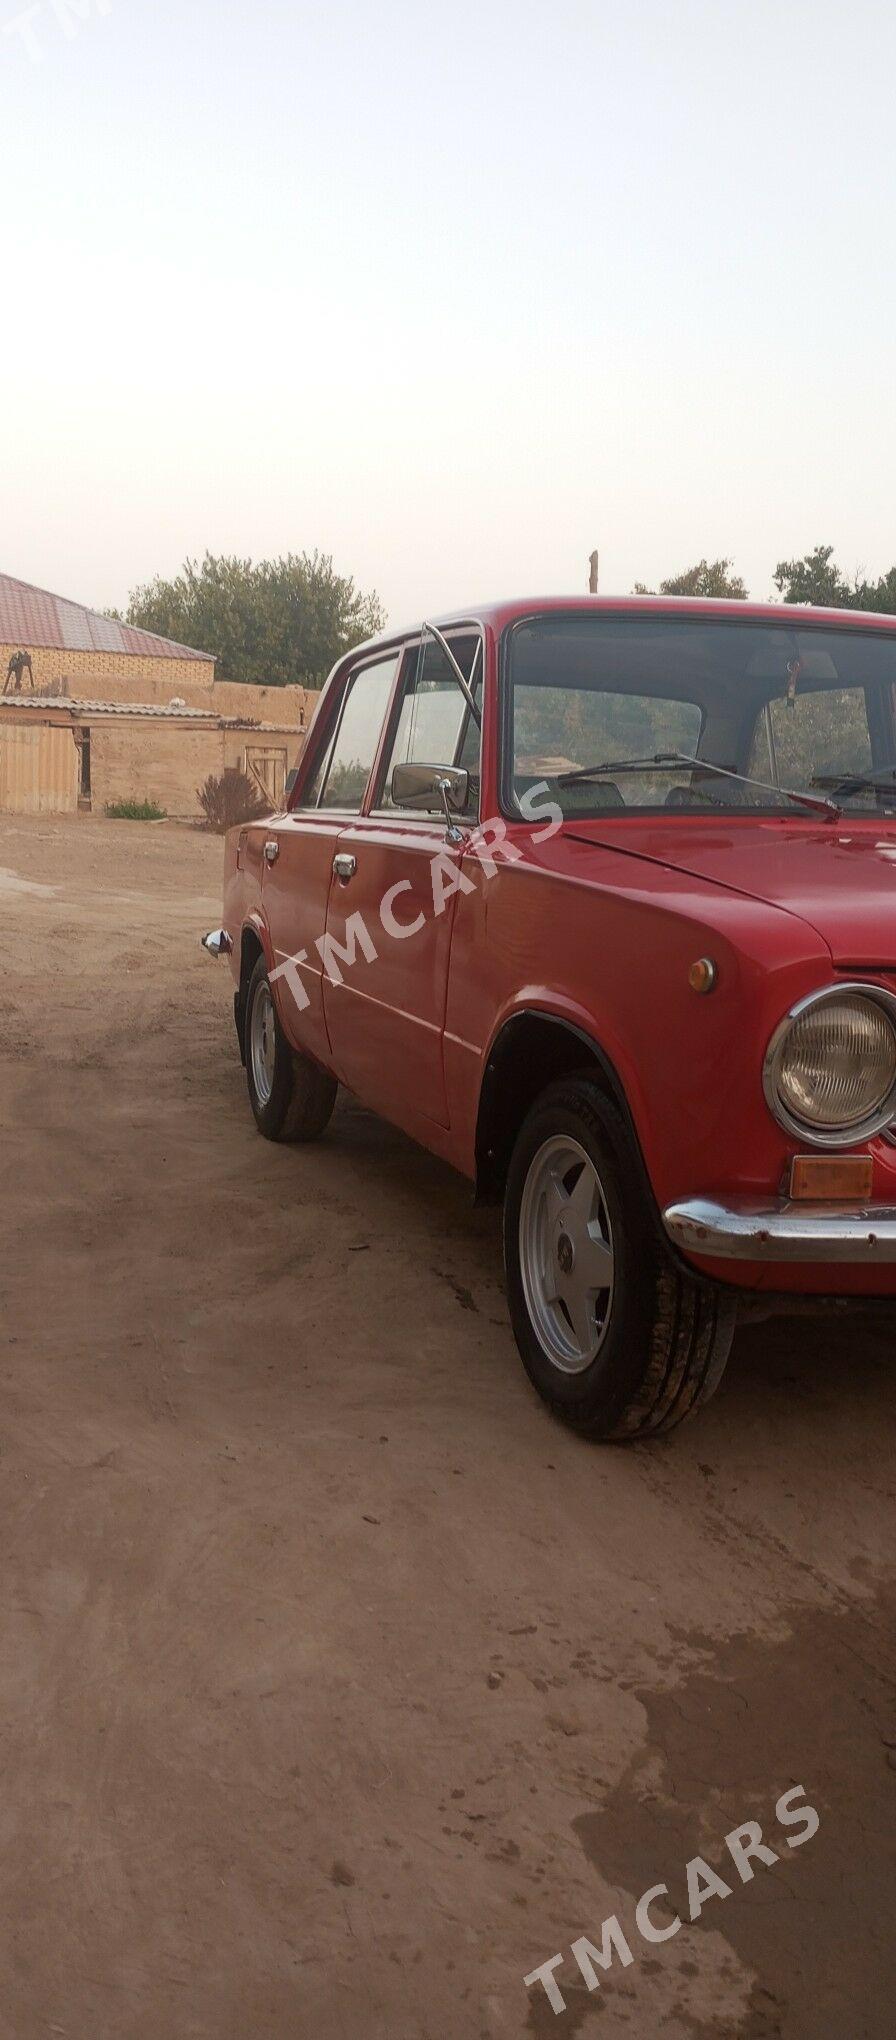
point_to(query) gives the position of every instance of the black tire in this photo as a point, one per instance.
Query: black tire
(664, 1335)
(293, 1099)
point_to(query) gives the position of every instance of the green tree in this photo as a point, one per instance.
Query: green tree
(880, 594)
(709, 577)
(817, 579)
(269, 622)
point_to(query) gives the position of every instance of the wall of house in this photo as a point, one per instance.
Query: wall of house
(168, 762)
(144, 760)
(93, 673)
(289, 706)
(108, 676)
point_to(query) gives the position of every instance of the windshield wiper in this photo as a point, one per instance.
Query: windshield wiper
(611, 767)
(854, 782)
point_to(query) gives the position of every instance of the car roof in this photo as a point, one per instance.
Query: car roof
(497, 615)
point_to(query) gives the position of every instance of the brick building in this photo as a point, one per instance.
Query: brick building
(102, 712)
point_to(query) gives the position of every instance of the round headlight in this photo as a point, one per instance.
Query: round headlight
(830, 1071)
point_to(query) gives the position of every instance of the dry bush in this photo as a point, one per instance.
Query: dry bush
(228, 798)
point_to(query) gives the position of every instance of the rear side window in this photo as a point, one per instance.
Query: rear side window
(348, 765)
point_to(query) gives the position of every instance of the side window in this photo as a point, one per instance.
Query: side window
(435, 726)
(822, 731)
(348, 764)
(311, 793)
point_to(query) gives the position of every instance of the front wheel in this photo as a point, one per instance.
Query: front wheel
(291, 1096)
(616, 1337)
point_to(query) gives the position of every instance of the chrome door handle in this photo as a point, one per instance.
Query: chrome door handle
(345, 865)
(271, 850)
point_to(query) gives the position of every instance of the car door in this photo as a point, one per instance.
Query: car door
(391, 909)
(300, 848)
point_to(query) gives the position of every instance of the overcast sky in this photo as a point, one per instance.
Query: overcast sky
(455, 294)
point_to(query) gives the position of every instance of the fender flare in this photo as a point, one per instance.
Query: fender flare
(257, 929)
(255, 924)
(594, 1052)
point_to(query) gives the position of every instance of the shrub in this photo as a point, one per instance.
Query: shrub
(135, 811)
(230, 797)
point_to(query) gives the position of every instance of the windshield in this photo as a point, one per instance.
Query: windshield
(809, 710)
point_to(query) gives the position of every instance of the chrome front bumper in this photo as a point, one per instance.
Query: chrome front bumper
(781, 1231)
(217, 942)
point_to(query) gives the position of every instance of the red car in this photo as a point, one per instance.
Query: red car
(597, 900)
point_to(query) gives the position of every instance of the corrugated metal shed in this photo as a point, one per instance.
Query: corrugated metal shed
(79, 710)
(75, 705)
(31, 617)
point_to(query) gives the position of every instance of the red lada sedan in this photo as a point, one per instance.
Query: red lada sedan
(597, 900)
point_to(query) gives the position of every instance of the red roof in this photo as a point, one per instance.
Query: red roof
(30, 617)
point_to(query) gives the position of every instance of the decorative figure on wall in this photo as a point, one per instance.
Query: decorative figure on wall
(19, 664)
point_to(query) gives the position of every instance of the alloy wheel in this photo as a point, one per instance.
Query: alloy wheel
(566, 1253)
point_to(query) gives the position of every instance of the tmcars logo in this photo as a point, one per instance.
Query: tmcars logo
(486, 843)
(745, 1847)
(63, 17)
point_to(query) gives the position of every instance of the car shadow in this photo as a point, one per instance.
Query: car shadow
(816, 1361)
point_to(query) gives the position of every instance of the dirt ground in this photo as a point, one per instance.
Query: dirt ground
(339, 1687)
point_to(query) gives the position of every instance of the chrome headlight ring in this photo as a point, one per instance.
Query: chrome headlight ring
(804, 1129)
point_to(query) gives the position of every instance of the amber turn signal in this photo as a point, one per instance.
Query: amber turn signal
(702, 974)
(831, 1176)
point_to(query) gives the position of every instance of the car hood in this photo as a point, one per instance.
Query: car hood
(838, 877)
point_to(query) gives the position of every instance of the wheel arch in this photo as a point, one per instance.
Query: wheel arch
(533, 1049)
(252, 946)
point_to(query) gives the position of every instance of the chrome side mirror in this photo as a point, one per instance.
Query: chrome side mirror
(431, 788)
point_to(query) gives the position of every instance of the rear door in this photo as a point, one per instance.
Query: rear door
(391, 911)
(298, 869)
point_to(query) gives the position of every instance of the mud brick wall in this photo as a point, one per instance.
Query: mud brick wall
(108, 676)
(167, 762)
(152, 761)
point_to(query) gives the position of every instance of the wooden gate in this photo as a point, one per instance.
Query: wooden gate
(39, 771)
(266, 766)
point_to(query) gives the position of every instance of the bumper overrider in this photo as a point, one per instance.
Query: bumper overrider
(778, 1230)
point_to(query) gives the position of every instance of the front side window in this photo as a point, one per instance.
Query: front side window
(347, 767)
(434, 725)
(644, 712)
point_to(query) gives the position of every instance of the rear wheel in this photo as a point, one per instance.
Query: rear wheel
(291, 1096)
(616, 1337)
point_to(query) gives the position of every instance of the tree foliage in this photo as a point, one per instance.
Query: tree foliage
(708, 577)
(816, 578)
(269, 623)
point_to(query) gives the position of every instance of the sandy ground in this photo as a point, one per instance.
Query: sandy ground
(339, 1687)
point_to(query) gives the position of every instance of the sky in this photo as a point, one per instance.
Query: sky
(453, 294)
